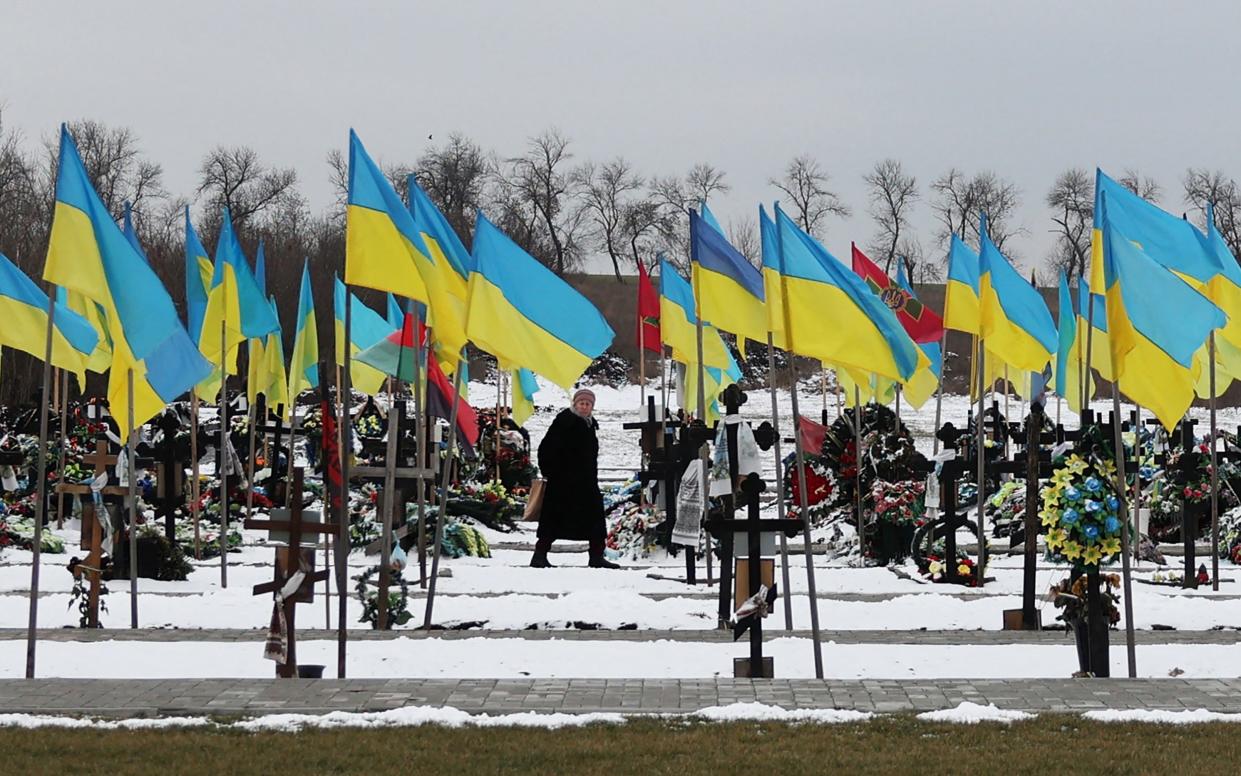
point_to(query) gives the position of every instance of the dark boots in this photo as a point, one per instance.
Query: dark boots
(597, 561)
(539, 559)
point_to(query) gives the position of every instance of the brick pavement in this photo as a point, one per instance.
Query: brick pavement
(226, 697)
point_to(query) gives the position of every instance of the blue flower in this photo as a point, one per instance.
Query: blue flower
(1146, 472)
(1113, 503)
(1091, 532)
(1092, 506)
(1093, 485)
(1111, 524)
(1072, 493)
(1070, 516)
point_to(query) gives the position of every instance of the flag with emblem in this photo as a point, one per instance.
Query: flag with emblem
(921, 322)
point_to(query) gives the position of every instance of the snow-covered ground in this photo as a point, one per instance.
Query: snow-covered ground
(504, 593)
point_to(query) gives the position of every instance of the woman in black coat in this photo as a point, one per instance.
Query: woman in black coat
(569, 463)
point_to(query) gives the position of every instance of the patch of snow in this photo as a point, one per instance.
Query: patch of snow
(968, 713)
(30, 721)
(762, 712)
(1161, 716)
(416, 716)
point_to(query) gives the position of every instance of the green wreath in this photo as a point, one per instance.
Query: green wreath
(398, 601)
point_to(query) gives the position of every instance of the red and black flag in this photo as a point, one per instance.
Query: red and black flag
(648, 313)
(440, 396)
(920, 322)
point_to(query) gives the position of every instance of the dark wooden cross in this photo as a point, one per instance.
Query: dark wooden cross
(273, 429)
(92, 532)
(405, 479)
(288, 561)
(1190, 459)
(169, 474)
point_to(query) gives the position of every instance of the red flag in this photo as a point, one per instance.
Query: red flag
(440, 396)
(648, 313)
(921, 323)
(330, 451)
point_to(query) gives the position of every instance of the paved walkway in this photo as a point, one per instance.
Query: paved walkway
(129, 698)
(945, 637)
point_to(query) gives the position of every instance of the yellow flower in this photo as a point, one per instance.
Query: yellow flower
(1076, 464)
(1092, 556)
(1056, 538)
(1110, 546)
(1049, 517)
(963, 570)
(1060, 479)
(1072, 550)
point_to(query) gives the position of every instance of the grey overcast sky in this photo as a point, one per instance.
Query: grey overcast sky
(1025, 89)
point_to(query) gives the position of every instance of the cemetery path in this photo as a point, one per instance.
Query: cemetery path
(250, 697)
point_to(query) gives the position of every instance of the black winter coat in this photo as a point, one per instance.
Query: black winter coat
(569, 462)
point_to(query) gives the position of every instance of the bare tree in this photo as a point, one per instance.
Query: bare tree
(960, 199)
(703, 181)
(1214, 187)
(1071, 200)
(454, 177)
(237, 179)
(744, 236)
(605, 191)
(541, 182)
(644, 222)
(805, 184)
(892, 194)
(1143, 186)
(115, 166)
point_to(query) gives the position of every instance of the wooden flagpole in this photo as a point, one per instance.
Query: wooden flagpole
(445, 480)
(1214, 475)
(775, 421)
(1126, 577)
(195, 484)
(807, 547)
(345, 397)
(132, 476)
(63, 409)
(980, 570)
(702, 417)
(40, 489)
(221, 462)
(939, 392)
(857, 472)
(424, 459)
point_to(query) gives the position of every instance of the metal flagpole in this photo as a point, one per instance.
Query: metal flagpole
(805, 530)
(221, 462)
(40, 489)
(1130, 520)
(252, 420)
(939, 392)
(344, 429)
(1089, 350)
(132, 475)
(195, 483)
(390, 506)
(63, 408)
(641, 358)
(702, 416)
(857, 471)
(981, 569)
(1214, 476)
(784, 544)
(444, 482)
(423, 459)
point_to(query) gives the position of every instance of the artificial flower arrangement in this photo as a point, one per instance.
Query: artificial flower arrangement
(1175, 487)
(1071, 596)
(935, 567)
(506, 450)
(633, 531)
(821, 491)
(490, 503)
(1230, 535)
(369, 425)
(1081, 513)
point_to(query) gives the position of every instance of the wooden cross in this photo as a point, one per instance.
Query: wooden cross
(403, 479)
(92, 533)
(288, 560)
(169, 474)
(1184, 436)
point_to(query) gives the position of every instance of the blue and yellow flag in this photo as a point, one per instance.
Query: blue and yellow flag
(922, 385)
(131, 234)
(1070, 353)
(831, 313)
(451, 267)
(89, 255)
(961, 311)
(23, 308)
(396, 315)
(525, 386)
(1016, 324)
(260, 268)
(304, 364)
(198, 273)
(773, 282)
(366, 327)
(237, 309)
(525, 316)
(1092, 339)
(678, 322)
(728, 288)
(267, 374)
(1156, 323)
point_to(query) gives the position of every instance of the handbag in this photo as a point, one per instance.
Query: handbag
(534, 502)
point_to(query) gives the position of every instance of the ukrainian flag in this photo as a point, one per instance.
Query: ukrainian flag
(525, 316)
(366, 327)
(961, 310)
(922, 385)
(267, 373)
(832, 315)
(304, 365)
(88, 254)
(524, 387)
(198, 274)
(131, 234)
(237, 309)
(1156, 323)
(451, 266)
(728, 288)
(1016, 323)
(1070, 356)
(23, 308)
(100, 358)
(773, 286)
(1092, 318)
(678, 322)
